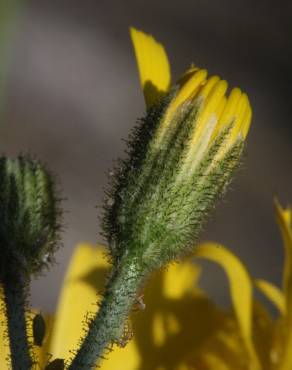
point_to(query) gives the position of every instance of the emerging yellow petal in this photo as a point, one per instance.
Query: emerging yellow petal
(217, 112)
(187, 91)
(153, 65)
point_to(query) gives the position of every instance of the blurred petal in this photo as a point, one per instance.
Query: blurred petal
(177, 320)
(128, 356)
(84, 278)
(224, 349)
(284, 217)
(153, 65)
(4, 341)
(263, 334)
(273, 293)
(240, 290)
(179, 279)
(212, 362)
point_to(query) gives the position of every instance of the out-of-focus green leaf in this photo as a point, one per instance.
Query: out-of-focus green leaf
(9, 11)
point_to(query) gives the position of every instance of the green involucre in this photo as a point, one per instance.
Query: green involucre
(29, 216)
(154, 209)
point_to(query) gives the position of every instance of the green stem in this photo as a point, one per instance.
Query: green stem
(15, 302)
(108, 324)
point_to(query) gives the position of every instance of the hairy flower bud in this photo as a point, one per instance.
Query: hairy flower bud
(29, 216)
(181, 157)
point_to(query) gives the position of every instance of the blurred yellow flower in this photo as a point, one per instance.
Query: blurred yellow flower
(180, 328)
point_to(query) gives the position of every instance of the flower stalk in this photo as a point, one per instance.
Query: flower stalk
(29, 236)
(15, 291)
(107, 327)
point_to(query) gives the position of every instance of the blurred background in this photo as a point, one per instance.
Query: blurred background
(71, 93)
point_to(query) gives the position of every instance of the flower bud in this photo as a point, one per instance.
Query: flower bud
(29, 216)
(181, 157)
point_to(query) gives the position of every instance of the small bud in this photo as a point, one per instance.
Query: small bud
(181, 158)
(29, 216)
(58, 364)
(38, 330)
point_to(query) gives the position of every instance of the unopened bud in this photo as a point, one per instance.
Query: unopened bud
(29, 216)
(181, 158)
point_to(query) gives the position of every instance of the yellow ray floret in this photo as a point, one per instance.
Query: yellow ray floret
(79, 297)
(240, 290)
(188, 90)
(273, 293)
(212, 95)
(153, 65)
(229, 110)
(284, 217)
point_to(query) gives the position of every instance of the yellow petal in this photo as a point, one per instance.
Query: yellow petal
(240, 290)
(189, 88)
(213, 94)
(230, 108)
(4, 341)
(264, 327)
(223, 349)
(187, 75)
(241, 112)
(163, 335)
(176, 321)
(284, 217)
(128, 356)
(246, 121)
(153, 65)
(84, 278)
(179, 279)
(273, 293)
(212, 362)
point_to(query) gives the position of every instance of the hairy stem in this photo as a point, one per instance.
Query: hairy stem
(108, 324)
(14, 297)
